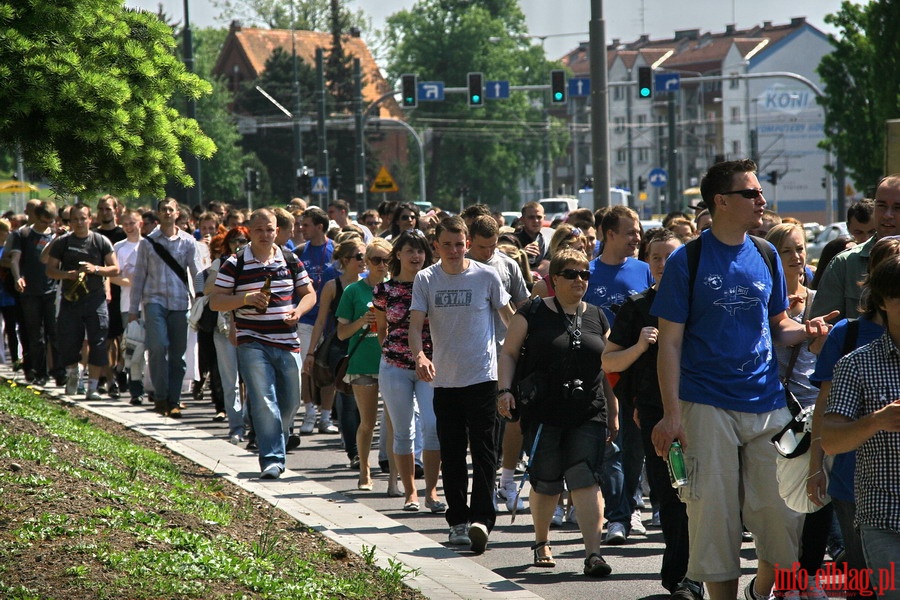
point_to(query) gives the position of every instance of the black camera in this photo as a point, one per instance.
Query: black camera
(574, 390)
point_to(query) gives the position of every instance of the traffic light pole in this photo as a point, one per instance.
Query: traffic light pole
(360, 142)
(599, 105)
(321, 132)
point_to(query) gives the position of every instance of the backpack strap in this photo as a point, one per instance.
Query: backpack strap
(851, 337)
(694, 247)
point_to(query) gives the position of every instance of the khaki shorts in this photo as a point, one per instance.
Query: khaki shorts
(731, 474)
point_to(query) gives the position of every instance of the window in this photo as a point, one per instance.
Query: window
(641, 120)
(735, 114)
(734, 83)
(620, 124)
(621, 155)
(736, 147)
(618, 92)
(643, 155)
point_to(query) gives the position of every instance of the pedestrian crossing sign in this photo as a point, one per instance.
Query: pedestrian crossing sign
(320, 185)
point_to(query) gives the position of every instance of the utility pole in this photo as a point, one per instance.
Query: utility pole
(298, 134)
(360, 139)
(321, 133)
(599, 105)
(194, 195)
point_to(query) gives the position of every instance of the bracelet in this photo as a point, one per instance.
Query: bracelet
(504, 391)
(819, 472)
(245, 297)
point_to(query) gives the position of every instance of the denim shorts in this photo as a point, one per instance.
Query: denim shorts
(572, 453)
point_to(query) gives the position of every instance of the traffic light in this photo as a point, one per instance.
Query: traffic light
(252, 180)
(476, 89)
(557, 86)
(773, 177)
(642, 184)
(409, 88)
(645, 83)
(336, 180)
(304, 182)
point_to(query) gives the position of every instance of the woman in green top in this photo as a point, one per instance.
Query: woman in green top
(356, 320)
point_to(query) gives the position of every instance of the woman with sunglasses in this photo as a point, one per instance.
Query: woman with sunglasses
(224, 384)
(563, 338)
(402, 391)
(356, 323)
(406, 216)
(348, 257)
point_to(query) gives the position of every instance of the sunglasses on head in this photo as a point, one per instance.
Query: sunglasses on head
(749, 193)
(377, 260)
(572, 274)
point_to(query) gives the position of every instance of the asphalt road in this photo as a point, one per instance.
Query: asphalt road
(635, 564)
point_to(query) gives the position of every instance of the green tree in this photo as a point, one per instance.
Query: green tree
(862, 85)
(309, 15)
(488, 150)
(85, 95)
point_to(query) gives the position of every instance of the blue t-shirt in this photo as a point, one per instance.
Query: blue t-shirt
(317, 261)
(727, 358)
(843, 470)
(611, 285)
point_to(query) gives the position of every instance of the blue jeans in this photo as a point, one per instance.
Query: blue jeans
(621, 472)
(882, 550)
(348, 415)
(402, 390)
(272, 377)
(227, 359)
(166, 340)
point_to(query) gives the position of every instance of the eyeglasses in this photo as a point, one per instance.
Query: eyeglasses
(571, 274)
(407, 217)
(749, 193)
(378, 260)
(371, 224)
(239, 241)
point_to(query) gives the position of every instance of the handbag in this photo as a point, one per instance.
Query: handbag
(340, 370)
(792, 475)
(322, 373)
(202, 317)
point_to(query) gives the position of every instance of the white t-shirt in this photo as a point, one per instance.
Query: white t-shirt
(460, 311)
(126, 255)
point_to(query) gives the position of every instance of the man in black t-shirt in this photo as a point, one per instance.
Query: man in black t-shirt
(37, 290)
(107, 216)
(81, 259)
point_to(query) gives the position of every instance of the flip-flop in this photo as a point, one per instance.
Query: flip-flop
(411, 507)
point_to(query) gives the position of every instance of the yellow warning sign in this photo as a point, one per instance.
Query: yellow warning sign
(384, 182)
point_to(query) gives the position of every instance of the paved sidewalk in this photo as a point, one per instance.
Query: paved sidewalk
(441, 573)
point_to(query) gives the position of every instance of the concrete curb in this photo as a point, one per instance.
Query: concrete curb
(439, 573)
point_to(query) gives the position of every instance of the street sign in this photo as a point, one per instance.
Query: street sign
(431, 91)
(658, 177)
(320, 185)
(383, 182)
(579, 87)
(667, 82)
(496, 90)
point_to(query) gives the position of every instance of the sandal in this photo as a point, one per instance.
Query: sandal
(596, 568)
(543, 560)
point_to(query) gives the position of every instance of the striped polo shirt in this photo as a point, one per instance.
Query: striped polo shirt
(269, 327)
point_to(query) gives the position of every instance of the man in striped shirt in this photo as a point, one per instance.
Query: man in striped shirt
(266, 328)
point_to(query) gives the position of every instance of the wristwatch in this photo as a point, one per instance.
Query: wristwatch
(504, 391)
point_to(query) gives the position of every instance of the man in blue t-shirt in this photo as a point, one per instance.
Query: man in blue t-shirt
(315, 255)
(721, 394)
(615, 275)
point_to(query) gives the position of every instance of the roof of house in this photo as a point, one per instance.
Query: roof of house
(251, 47)
(689, 49)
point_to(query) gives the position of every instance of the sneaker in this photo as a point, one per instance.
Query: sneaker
(252, 445)
(419, 472)
(478, 534)
(328, 426)
(459, 535)
(636, 525)
(354, 462)
(570, 516)
(271, 472)
(220, 416)
(309, 423)
(40, 381)
(113, 390)
(93, 395)
(293, 442)
(615, 534)
(558, 515)
(509, 492)
(72, 382)
(688, 589)
(750, 594)
(654, 521)
(235, 439)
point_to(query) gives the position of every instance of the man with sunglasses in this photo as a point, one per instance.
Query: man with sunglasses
(615, 275)
(839, 289)
(722, 398)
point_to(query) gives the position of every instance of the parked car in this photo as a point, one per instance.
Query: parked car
(830, 232)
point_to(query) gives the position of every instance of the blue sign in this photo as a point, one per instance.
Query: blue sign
(496, 90)
(579, 87)
(431, 91)
(320, 185)
(658, 177)
(666, 82)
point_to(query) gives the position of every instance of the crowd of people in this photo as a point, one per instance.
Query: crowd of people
(582, 350)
